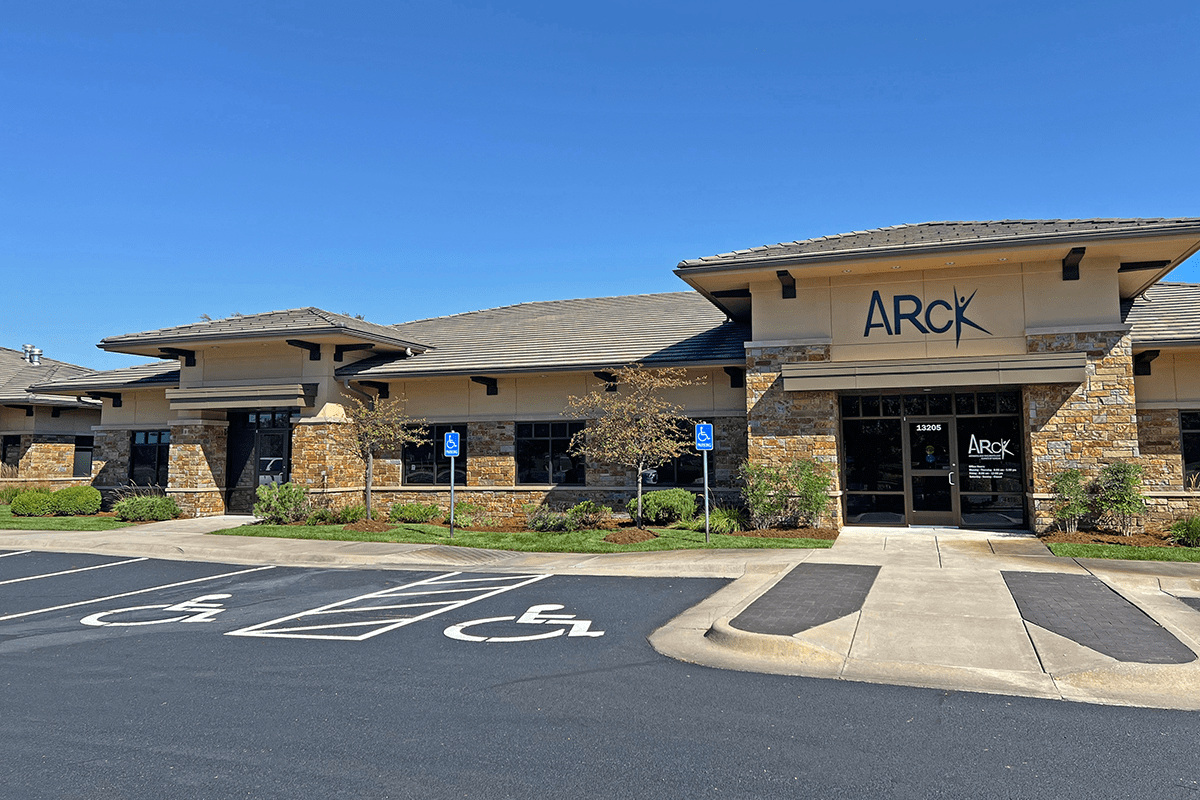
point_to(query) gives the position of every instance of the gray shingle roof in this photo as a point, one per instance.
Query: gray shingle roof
(17, 375)
(1167, 313)
(935, 235)
(158, 374)
(592, 333)
(293, 322)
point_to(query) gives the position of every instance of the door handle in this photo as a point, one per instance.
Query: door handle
(950, 477)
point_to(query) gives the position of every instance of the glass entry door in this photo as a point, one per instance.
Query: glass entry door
(932, 471)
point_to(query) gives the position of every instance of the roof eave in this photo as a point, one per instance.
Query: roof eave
(128, 342)
(751, 263)
(536, 369)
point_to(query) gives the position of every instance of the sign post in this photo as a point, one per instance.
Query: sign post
(450, 448)
(704, 443)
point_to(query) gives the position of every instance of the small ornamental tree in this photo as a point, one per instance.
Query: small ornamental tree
(377, 427)
(633, 426)
(1117, 495)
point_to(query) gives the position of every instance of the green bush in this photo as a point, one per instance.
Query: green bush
(1070, 498)
(322, 516)
(75, 501)
(38, 503)
(1117, 495)
(588, 514)
(281, 503)
(665, 506)
(1186, 532)
(145, 509)
(413, 512)
(470, 515)
(7, 494)
(547, 520)
(348, 514)
(790, 496)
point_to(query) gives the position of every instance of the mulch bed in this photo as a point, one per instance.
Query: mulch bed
(1151, 538)
(631, 535)
(369, 526)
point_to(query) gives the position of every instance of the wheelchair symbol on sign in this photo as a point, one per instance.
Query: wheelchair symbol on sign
(201, 609)
(535, 615)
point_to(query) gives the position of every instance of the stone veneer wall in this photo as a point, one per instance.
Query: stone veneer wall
(198, 458)
(110, 458)
(1160, 440)
(491, 472)
(1081, 426)
(46, 456)
(782, 426)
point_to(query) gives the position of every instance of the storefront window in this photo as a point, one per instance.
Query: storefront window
(11, 455)
(149, 458)
(543, 455)
(83, 457)
(425, 464)
(1189, 424)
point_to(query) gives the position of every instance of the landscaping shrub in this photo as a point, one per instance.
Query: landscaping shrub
(547, 520)
(470, 515)
(7, 494)
(1186, 531)
(144, 508)
(666, 506)
(38, 503)
(281, 503)
(1117, 495)
(1070, 499)
(322, 516)
(75, 501)
(790, 496)
(588, 514)
(413, 512)
(348, 514)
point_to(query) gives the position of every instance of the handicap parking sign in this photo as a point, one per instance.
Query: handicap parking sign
(704, 436)
(450, 444)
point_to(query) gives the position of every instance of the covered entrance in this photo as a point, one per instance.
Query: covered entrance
(934, 458)
(259, 454)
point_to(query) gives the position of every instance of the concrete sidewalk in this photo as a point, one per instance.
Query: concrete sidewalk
(942, 608)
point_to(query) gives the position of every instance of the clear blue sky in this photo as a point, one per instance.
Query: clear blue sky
(163, 160)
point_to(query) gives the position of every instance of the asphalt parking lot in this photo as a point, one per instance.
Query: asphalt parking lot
(139, 678)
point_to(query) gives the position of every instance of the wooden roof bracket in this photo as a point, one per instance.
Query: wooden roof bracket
(492, 385)
(1141, 361)
(114, 396)
(1070, 264)
(609, 379)
(381, 388)
(313, 348)
(188, 356)
(788, 283)
(28, 409)
(737, 377)
(340, 350)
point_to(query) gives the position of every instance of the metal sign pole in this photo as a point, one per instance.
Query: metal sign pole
(705, 452)
(451, 497)
(704, 443)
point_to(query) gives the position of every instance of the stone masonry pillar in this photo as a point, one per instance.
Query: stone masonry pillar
(199, 452)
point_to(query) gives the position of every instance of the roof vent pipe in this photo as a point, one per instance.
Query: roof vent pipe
(35, 356)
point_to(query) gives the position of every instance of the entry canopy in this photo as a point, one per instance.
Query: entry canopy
(941, 373)
(1146, 249)
(288, 395)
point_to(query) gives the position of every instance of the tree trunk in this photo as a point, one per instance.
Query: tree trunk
(367, 483)
(639, 504)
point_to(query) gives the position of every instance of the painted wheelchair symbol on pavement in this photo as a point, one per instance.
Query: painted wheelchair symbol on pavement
(200, 609)
(535, 615)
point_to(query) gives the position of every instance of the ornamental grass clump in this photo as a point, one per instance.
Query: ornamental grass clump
(413, 512)
(666, 506)
(1186, 532)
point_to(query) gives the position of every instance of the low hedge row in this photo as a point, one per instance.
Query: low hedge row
(147, 509)
(73, 501)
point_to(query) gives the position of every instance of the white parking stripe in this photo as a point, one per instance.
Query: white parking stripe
(15, 553)
(130, 594)
(277, 629)
(71, 571)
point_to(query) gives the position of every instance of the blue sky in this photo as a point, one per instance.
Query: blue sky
(404, 160)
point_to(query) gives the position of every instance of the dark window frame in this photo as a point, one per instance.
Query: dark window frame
(160, 441)
(552, 436)
(1189, 444)
(419, 460)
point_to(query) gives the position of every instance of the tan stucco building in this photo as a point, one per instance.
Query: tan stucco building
(945, 371)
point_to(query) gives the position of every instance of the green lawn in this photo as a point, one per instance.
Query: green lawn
(575, 542)
(1125, 551)
(10, 523)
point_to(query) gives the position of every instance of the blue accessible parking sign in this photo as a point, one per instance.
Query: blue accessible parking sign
(450, 444)
(704, 436)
